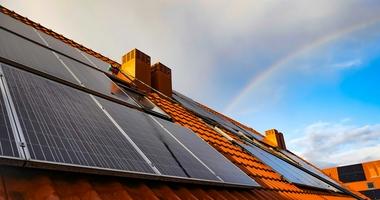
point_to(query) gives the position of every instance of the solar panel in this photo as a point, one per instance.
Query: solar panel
(19, 28)
(220, 165)
(64, 48)
(97, 62)
(8, 145)
(27, 53)
(288, 171)
(96, 80)
(145, 102)
(64, 125)
(307, 166)
(166, 154)
(205, 114)
(351, 173)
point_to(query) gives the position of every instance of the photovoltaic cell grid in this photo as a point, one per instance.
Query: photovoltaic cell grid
(44, 60)
(166, 154)
(96, 81)
(32, 55)
(290, 172)
(307, 166)
(220, 165)
(7, 140)
(64, 125)
(19, 28)
(193, 106)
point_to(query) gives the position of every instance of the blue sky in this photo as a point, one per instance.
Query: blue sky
(307, 68)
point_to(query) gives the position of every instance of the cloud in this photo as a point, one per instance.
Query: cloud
(331, 144)
(348, 64)
(216, 41)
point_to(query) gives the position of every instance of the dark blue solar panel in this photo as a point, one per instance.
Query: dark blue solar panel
(96, 80)
(307, 166)
(64, 48)
(96, 62)
(196, 108)
(64, 125)
(8, 143)
(166, 154)
(290, 172)
(19, 28)
(220, 165)
(29, 54)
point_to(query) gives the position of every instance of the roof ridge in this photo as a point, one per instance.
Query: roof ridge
(56, 35)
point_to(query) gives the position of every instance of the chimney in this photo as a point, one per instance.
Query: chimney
(162, 78)
(136, 64)
(275, 138)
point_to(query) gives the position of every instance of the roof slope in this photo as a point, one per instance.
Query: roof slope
(21, 183)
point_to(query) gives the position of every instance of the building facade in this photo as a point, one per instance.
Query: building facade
(363, 177)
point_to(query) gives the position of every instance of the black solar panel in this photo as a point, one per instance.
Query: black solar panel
(290, 172)
(8, 146)
(196, 108)
(96, 80)
(351, 173)
(19, 28)
(64, 48)
(27, 53)
(220, 165)
(63, 125)
(166, 154)
(96, 62)
(308, 166)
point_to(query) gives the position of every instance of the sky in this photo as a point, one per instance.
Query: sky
(307, 68)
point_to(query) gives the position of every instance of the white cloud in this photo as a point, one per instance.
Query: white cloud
(332, 144)
(348, 64)
(202, 39)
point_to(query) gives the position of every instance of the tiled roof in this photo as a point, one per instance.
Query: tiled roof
(17, 183)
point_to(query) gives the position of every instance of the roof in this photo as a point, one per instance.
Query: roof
(25, 183)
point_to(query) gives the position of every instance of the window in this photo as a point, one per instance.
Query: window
(351, 173)
(370, 185)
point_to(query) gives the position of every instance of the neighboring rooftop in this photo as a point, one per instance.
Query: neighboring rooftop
(361, 177)
(77, 125)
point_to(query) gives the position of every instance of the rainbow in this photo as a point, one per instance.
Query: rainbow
(279, 64)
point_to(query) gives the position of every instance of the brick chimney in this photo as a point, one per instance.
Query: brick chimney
(275, 138)
(137, 65)
(162, 78)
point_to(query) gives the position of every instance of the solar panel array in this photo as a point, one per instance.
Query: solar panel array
(209, 116)
(307, 166)
(288, 171)
(58, 122)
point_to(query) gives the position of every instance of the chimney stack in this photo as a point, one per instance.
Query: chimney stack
(162, 79)
(137, 65)
(275, 138)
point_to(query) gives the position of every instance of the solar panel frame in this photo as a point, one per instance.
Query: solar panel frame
(62, 139)
(307, 166)
(159, 147)
(9, 145)
(64, 48)
(96, 80)
(288, 171)
(203, 113)
(11, 24)
(32, 55)
(218, 164)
